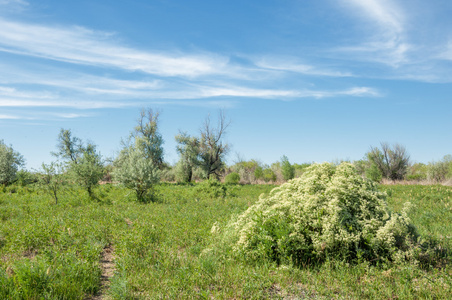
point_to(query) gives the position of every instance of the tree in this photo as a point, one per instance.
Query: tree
(392, 161)
(10, 162)
(84, 163)
(52, 178)
(188, 149)
(287, 170)
(147, 137)
(212, 150)
(138, 165)
(135, 171)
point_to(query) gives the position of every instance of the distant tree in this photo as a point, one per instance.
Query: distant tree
(10, 162)
(139, 164)
(212, 149)
(417, 171)
(52, 178)
(392, 161)
(287, 170)
(440, 170)
(83, 163)
(147, 137)
(135, 171)
(188, 148)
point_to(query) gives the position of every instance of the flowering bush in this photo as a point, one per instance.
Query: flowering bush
(329, 212)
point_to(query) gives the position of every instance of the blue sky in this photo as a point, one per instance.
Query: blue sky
(313, 80)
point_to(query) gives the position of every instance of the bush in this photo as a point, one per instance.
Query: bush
(211, 188)
(232, 178)
(329, 212)
(268, 175)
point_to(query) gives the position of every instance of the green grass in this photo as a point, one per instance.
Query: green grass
(53, 251)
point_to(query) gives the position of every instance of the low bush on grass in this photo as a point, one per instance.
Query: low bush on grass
(329, 212)
(232, 178)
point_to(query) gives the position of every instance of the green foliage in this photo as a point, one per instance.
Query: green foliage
(329, 212)
(417, 171)
(440, 170)
(88, 170)
(287, 170)
(300, 168)
(52, 178)
(232, 178)
(374, 173)
(188, 149)
(268, 175)
(211, 188)
(84, 163)
(135, 171)
(24, 178)
(10, 162)
(148, 138)
(139, 165)
(259, 172)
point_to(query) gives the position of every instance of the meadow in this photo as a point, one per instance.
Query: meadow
(156, 249)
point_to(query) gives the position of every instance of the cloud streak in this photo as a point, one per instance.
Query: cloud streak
(387, 43)
(83, 46)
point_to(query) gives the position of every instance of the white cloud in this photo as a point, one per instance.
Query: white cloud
(292, 65)
(386, 33)
(83, 46)
(9, 117)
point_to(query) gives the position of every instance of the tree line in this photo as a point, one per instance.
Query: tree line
(140, 164)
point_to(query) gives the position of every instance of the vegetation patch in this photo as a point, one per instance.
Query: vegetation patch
(328, 213)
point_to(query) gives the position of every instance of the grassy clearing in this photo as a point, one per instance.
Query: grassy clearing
(55, 251)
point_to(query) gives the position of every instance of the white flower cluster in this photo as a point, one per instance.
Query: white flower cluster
(330, 211)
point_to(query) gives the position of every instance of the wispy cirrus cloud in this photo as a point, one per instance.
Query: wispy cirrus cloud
(293, 65)
(386, 23)
(80, 45)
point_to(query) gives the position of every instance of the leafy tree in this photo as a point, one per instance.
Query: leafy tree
(287, 170)
(188, 149)
(147, 137)
(88, 170)
(84, 163)
(138, 165)
(392, 161)
(52, 178)
(135, 171)
(10, 162)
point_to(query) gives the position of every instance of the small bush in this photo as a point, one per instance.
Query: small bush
(329, 212)
(232, 178)
(211, 188)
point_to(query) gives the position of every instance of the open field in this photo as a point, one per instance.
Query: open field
(116, 248)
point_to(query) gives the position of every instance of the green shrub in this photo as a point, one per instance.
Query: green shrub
(268, 175)
(329, 212)
(373, 173)
(211, 188)
(232, 178)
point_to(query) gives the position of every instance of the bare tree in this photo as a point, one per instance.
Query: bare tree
(212, 148)
(391, 161)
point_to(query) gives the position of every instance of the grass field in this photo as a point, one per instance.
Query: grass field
(155, 250)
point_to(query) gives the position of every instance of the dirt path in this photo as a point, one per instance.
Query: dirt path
(108, 270)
